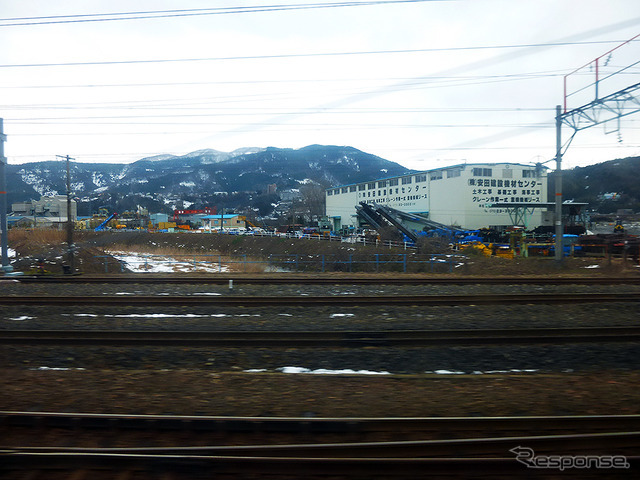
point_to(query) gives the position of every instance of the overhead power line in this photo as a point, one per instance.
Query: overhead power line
(192, 12)
(307, 55)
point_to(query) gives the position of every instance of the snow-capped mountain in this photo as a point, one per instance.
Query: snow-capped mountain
(200, 174)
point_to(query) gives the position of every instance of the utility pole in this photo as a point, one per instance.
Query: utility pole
(4, 237)
(70, 246)
(558, 215)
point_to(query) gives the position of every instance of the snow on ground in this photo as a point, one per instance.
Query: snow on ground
(151, 315)
(348, 371)
(145, 263)
(478, 372)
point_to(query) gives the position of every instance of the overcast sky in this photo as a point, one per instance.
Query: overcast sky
(423, 83)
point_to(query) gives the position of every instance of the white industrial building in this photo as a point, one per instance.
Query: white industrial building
(46, 212)
(469, 196)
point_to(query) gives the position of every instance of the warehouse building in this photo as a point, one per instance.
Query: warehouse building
(469, 196)
(48, 212)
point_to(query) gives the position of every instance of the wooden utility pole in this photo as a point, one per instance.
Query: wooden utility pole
(70, 246)
(4, 237)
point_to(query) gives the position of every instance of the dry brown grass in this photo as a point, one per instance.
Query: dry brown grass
(243, 264)
(27, 239)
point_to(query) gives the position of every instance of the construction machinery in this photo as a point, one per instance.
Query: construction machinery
(103, 225)
(411, 225)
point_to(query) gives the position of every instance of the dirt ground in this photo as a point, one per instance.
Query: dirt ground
(198, 392)
(90, 249)
(192, 392)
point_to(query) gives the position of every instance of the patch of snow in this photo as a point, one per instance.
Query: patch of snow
(56, 368)
(20, 319)
(479, 372)
(140, 263)
(157, 315)
(324, 371)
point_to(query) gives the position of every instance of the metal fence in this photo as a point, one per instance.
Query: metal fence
(357, 239)
(400, 263)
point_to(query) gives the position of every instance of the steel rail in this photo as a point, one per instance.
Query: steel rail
(442, 425)
(466, 447)
(302, 279)
(347, 339)
(381, 300)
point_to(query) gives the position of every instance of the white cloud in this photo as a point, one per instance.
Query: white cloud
(276, 87)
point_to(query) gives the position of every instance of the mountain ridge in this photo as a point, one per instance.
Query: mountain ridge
(241, 179)
(203, 177)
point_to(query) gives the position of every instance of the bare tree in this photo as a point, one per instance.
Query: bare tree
(313, 199)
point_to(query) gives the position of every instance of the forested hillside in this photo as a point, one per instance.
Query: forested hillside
(607, 187)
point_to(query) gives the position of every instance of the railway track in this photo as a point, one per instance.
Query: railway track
(39, 466)
(465, 450)
(391, 338)
(351, 447)
(315, 425)
(283, 279)
(307, 301)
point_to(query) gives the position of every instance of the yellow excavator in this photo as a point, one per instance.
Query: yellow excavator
(619, 228)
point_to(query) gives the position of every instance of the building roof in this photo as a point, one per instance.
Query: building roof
(212, 217)
(459, 165)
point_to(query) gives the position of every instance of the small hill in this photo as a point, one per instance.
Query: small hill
(606, 187)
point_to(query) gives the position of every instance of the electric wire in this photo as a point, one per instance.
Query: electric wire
(304, 55)
(151, 14)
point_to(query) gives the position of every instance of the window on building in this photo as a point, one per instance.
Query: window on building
(371, 185)
(393, 182)
(329, 192)
(482, 172)
(436, 175)
(528, 174)
(352, 188)
(336, 191)
(452, 173)
(361, 187)
(345, 189)
(382, 183)
(421, 178)
(406, 180)
(507, 173)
